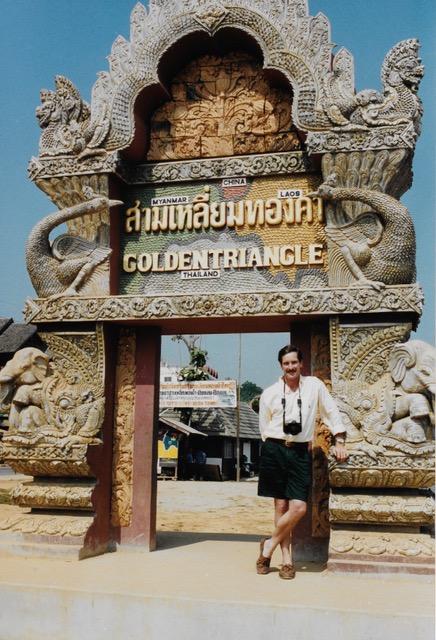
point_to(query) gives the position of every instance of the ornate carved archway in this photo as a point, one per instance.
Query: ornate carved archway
(220, 131)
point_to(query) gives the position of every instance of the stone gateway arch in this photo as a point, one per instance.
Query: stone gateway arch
(225, 177)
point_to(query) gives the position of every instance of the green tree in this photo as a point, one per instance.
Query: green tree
(194, 370)
(249, 390)
(197, 360)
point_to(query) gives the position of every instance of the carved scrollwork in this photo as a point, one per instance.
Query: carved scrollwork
(49, 495)
(384, 471)
(47, 525)
(316, 301)
(393, 509)
(209, 168)
(382, 544)
(122, 469)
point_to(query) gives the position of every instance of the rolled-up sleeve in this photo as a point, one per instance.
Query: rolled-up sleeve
(264, 415)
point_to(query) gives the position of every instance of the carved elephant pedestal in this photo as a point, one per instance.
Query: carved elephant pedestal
(382, 515)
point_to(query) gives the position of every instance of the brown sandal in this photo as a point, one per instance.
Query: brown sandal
(262, 563)
(287, 572)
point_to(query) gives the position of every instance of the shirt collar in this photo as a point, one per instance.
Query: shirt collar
(302, 379)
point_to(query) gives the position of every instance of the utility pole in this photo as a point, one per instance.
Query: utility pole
(238, 416)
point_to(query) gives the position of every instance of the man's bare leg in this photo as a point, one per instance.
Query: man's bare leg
(283, 528)
(280, 509)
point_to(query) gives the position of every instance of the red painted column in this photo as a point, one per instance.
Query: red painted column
(141, 533)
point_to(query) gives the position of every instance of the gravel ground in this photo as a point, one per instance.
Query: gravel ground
(189, 506)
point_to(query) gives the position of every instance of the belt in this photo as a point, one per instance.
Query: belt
(292, 443)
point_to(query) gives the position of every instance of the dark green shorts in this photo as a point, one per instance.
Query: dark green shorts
(284, 472)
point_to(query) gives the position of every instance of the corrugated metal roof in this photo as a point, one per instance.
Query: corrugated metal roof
(180, 426)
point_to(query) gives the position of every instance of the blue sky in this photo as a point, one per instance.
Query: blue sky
(40, 39)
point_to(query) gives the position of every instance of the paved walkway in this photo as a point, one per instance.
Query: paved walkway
(204, 586)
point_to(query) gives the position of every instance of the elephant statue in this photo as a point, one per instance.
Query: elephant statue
(412, 368)
(46, 407)
(21, 389)
(397, 411)
(28, 367)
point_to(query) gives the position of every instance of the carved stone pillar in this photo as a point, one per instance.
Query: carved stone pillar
(57, 410)
(380, 509)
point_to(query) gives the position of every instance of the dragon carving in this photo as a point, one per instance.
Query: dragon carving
(63, 267)
(378, 246)
(399, 104)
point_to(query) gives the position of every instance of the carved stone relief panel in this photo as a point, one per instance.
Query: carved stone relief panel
(360, 351)
(122, 468)
(379, 509)
(384, 387)
(46, 494)
(392, 509)
(77, 262)
(394, 551)
(56, 405)
(222, 106)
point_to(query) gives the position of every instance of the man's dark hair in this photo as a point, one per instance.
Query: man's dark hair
(290, 348)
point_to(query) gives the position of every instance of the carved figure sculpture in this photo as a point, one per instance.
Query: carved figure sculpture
(401, 75)
(379, 245)
(66, 122)
(398, 410)
(62, 268)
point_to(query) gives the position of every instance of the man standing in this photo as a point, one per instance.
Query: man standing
(287, 416)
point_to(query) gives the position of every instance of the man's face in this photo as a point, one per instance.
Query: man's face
(291, 367)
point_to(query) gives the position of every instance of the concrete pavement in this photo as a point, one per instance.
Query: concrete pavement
(204, 587)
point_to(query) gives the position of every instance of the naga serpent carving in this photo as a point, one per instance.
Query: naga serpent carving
(61, 268)
(378, 246)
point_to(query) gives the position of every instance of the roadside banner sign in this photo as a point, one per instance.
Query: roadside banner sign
(199, 393)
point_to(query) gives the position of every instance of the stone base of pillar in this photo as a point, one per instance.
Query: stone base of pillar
(45, 534)
(385, 550)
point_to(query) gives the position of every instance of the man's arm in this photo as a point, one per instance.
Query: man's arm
(330, 414)
(264, 415)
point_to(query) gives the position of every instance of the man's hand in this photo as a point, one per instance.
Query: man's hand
(340, 452)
